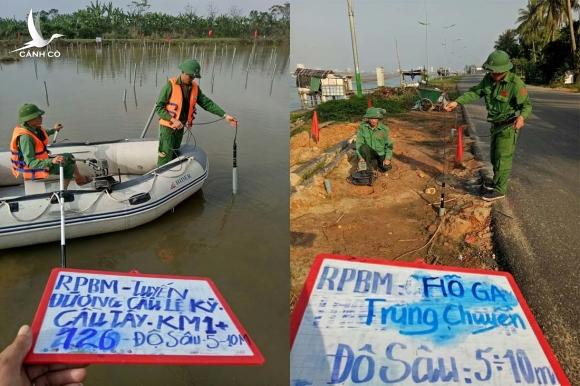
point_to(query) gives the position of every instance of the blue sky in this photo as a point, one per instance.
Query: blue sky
(320, 35)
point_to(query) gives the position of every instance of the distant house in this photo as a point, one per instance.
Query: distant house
(318, 86)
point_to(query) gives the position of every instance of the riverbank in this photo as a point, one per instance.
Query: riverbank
(396, 218)
(204, 40)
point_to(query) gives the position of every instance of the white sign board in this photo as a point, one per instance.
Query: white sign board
(107, 317)
(374, 322)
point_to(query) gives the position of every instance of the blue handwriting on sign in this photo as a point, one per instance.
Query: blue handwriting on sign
(76, 284)
(399, 363)
(355, 280)
(450, 308)
(362, 367)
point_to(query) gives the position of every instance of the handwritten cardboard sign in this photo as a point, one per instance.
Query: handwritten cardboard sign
(108, 317)
(373, 322)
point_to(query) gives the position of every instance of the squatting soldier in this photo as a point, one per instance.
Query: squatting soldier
(30, 155)
(508, 106)
(373, 144)
(176, 109)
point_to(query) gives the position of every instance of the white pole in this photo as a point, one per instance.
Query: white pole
(235, 164)
(62, 222)
(354, 49)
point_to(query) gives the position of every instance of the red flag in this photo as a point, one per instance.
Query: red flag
(315, 131)
(369, 102)
(459, 150)
(255, 33)
(210, 33)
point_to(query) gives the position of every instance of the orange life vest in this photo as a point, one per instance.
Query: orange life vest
(40, 152)
(175, 103)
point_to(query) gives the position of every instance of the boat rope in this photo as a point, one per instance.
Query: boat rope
(207, 123)
(155, 175)
(81, 211)
(55, 194)
(190, 134)
(88, 207)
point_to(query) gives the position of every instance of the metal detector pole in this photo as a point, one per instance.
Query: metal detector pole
(148, 122)
(235, 163)
(62, 222)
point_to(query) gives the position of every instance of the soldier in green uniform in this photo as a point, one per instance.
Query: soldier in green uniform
(176, 109)
(373, 144)
(31, 158)
(508, 106)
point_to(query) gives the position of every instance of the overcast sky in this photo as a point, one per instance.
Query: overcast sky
(20, 8)
(320, 34)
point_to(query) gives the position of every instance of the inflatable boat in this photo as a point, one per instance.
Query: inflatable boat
(128, 190)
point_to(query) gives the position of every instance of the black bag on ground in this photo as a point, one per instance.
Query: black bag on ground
(362, 177)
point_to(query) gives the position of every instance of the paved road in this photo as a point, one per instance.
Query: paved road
(541, 243)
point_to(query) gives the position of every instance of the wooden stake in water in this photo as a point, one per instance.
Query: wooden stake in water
(135, 95)
(213, 67)
(135, 75)
(46, 93)
(156, 71)
(233, 57)
(222, 59)
(273, 76)
(249, 64)
(35, 69)
(125, 96)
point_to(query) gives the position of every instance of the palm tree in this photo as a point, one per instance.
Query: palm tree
(529, 28)
(542, 20)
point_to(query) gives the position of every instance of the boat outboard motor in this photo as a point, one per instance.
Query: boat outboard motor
(103, 180)
(99, 166)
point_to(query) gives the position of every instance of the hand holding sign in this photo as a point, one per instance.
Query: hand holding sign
(110, 317)
(14, 373)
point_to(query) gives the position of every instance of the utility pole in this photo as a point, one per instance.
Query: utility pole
(399, 61)
(354, 49)
(425, 23)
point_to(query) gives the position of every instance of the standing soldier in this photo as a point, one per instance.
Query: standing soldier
(176, 109)
(508, 106)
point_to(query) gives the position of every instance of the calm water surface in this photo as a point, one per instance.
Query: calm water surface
(241, 243)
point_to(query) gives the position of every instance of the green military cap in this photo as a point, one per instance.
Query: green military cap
(191, 67)
(498, 61)
(375, 113)
(27, 112)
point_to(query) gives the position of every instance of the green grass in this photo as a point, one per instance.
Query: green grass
(314, 170)
(447, 84)
(354, 108)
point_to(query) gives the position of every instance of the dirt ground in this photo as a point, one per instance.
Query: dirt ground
(395, 219)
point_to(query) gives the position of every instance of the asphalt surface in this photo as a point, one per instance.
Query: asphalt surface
(537, 225)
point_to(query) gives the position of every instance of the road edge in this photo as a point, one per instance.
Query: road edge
(509, 243)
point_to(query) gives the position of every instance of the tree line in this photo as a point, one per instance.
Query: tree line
(544, 43)
(107, 21)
